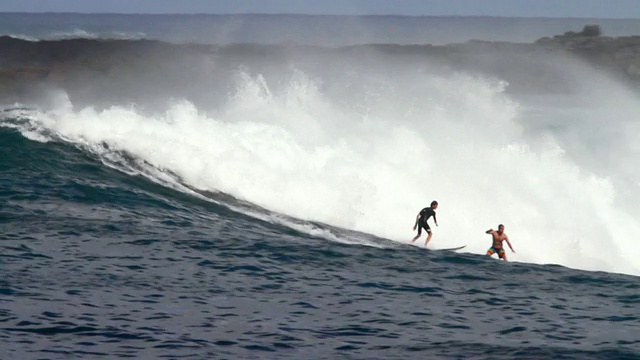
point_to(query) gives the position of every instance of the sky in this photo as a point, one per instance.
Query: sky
(507, 8)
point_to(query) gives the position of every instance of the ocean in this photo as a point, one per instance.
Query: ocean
(257, 201)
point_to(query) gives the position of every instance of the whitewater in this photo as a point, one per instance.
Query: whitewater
(369, 160)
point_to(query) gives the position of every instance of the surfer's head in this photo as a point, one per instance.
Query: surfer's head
(500, 228)
(434, 204)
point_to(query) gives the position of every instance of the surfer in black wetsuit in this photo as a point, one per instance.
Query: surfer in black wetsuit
(421, 221)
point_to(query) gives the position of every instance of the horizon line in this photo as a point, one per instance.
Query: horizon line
(309, 15)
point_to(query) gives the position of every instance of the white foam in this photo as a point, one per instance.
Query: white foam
(371, 162)
(73, 34)
(23, 37)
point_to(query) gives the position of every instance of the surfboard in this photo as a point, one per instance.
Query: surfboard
(453, 249)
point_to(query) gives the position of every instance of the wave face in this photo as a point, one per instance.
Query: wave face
(364, 146)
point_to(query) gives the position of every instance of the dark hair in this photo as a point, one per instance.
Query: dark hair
(500, 226)
(434, 203)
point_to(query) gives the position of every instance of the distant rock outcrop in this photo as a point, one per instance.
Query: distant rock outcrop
(620, 55)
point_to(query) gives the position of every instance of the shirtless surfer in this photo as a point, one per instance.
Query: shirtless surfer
(421, 221)
(498, 237)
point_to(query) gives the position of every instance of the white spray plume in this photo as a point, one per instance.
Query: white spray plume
(372, 161)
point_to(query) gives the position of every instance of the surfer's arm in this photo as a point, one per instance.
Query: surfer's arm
(415, 225)
(490, 231)
(508, 243)
(434, 219)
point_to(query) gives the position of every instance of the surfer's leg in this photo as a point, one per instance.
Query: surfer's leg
(502, 254)
(419, 233)
(428, 230)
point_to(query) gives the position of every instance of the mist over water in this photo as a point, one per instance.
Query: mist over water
(365, 146)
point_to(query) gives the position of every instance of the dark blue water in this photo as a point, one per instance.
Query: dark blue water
(98, 264)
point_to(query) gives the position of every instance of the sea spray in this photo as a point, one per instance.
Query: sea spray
(371, 161)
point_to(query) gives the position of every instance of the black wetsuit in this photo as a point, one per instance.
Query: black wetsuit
(425, 214)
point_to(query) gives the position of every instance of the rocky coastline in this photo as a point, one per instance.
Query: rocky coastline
(27, 65)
